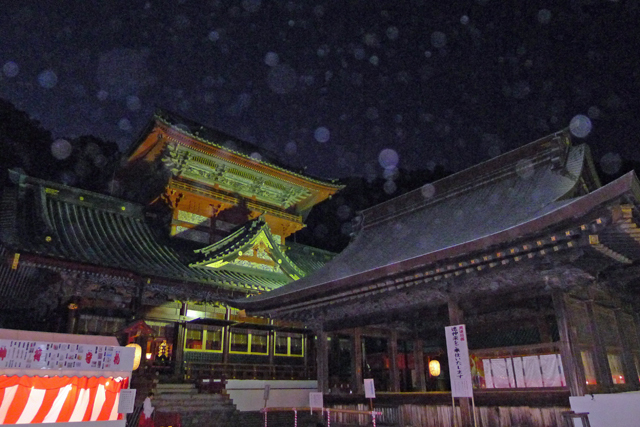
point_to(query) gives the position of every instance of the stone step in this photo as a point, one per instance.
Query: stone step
(199, 403)
(183, 409)
(174, 387)
(185, 396)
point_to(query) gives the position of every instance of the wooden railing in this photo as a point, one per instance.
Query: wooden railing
(205, 370)
(337, 412)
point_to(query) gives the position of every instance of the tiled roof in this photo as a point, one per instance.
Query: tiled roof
(243, 239)
(445, 218)
(60, 222)
(308, 258)
(231, 144)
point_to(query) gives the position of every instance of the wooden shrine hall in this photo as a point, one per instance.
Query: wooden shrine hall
(199, 217)
(527, 249)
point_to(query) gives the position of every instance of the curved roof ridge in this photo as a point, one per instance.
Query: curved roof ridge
(551, 148)
(166, 116)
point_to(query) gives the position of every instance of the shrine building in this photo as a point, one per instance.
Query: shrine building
(528, 250)
(201, 217)
(192, 258)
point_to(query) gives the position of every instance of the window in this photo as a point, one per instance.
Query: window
(213, 339)
(282, 344)
(194, 339)
(615, 364)
(289, 344)
(99, 325)
(249, 341)
(204, 338)
(239, 341)
(296, 345)
(589, 369)
(260, 342)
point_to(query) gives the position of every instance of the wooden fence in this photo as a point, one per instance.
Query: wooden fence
(441, 416)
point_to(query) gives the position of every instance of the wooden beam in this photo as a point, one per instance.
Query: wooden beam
(418, 360)
(357, 381)
(603, 372)
(392, 345)
(574, 372)
(628, 364)
(322, 360)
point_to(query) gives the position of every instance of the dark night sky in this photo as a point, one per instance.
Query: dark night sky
(331, 84)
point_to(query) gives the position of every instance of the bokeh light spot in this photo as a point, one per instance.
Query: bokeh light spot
(544, 16)
(428, 191)
(47, 79)
(271, 59)
(61, 149)
(611, 163)
(133, 103)
(389, 187)
(388, 158)
(438, 39)
(322, 134)
(10, 69)
(125, 125)
(580, 126)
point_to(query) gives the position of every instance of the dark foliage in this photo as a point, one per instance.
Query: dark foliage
(86, 161)
(330, 224)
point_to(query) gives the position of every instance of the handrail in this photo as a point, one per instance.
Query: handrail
(265, 411)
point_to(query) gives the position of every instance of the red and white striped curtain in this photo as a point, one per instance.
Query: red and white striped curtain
(32, 400)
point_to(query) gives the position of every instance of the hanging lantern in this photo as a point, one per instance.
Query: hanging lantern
(434, 368)
(137, 356)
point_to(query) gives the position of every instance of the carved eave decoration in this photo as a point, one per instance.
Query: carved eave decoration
(216, 172)
(251, 247)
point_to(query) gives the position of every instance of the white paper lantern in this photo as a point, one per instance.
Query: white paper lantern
(434, 368)
(137, 356)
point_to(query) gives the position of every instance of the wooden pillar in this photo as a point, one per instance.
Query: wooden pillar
(357, 381)
(571, 362)
(181, 335)
(72, 317)
(603, 372)
(418, 361)
(271, 346)
(322, 360)
(226, 332)
(456, 317)
(628, 364)
(394, 373)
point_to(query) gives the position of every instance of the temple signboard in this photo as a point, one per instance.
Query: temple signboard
(459, 367)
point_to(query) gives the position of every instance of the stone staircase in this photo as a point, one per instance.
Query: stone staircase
(195, 409)
(217, 410)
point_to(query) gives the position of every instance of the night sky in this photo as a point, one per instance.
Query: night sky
(340, 87)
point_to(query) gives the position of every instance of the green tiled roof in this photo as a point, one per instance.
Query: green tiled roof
(244, 239)
(218, 139)
(60, 222)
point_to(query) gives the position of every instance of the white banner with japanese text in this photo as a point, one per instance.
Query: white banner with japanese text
(19, 354)
(459, 366)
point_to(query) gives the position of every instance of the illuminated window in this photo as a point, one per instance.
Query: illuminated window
(259, 342)
(589, 370)
(615, 364)
(213, 339)
(282, 344)
(194, 339)
(289, 344)
(296, 345)
(239, 341)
